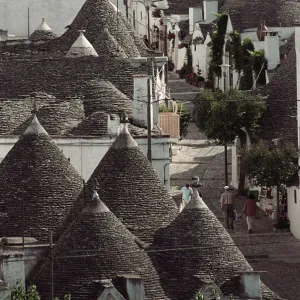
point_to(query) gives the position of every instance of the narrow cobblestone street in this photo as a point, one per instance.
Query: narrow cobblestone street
(278, 254)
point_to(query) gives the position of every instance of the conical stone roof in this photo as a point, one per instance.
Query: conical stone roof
(96, 246)
(82, 47)
(279, 120)
(131, 188)
(36, 171)
(280, 13)
(102, 95)
(94, 16)
(200, 247)
(42, 33)
(106, 44)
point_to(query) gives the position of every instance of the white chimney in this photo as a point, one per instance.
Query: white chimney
(113, 124)
(250, 282)
(140, 101)
(195, 15)
(132, 284)
(210, 7)
(272, 49)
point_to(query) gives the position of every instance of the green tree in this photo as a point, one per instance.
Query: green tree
(223, 116)
(271, 165)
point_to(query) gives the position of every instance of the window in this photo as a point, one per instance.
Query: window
(295, 196)
(141, 15)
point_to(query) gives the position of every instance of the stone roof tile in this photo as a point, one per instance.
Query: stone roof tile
(131, 188)
(93, 17)
(102, 95)
(42, 33)
(64, 77)
(108, 45)
(246, 14)
(280, 118)
(103, 248)
(36, 171)
(199, 247)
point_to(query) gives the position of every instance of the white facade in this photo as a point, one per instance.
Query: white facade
(19, 17)
(86, 153)
(293, 197)
(293, 205)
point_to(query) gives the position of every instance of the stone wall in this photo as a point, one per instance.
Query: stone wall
(63, 77)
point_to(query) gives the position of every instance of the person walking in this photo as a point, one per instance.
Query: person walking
(227, 207)
(186, 193)
(250, 210)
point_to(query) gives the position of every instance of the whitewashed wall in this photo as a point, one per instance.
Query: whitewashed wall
(86, 153)
(58, 14)
(234, 165)
(284, 33)
(293, 197)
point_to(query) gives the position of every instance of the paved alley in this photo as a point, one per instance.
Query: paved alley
(276, 253)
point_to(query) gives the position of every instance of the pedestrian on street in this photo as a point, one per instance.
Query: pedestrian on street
(227, 207)
(250, 210)
(186, 193)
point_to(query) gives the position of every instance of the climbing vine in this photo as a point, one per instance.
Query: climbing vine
(260, 65)
(245, 59)
(235, 45)
(217, 46)
(246, 79)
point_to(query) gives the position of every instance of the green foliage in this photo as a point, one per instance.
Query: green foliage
(271, 165)
(246, 81)
(217, 46)
(235, 45)
(222, 115)
(260, 65)
(19, 292)
(213, 296)
(189, 57)
(184, 113)
(199, 296)
(185, 118)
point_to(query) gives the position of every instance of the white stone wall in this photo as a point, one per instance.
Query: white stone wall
(140, 101)
(234, 165)
(284, 33)
(12, 269)
(85, 154)
(293, 205)
(58, 14)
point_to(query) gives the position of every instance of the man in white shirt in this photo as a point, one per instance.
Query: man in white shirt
(186, 193)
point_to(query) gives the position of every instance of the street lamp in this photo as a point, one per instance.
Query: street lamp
(149, 61)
